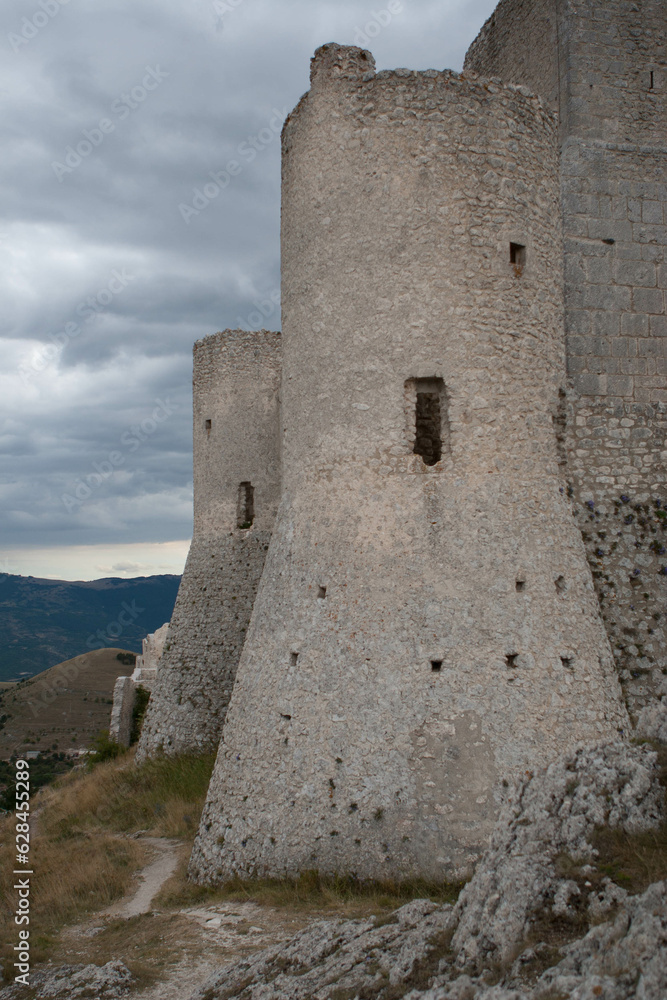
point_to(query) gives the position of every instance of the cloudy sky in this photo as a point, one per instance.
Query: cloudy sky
(113, 113)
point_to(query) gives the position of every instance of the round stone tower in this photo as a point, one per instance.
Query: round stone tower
(426, 623)
(236, 485)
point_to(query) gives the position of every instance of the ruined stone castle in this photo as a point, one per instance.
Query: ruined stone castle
(429, 547)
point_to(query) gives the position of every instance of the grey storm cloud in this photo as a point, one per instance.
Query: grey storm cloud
(116, 252)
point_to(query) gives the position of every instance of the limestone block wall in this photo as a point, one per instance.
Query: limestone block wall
(146, 666)
(237, 481)
(618, 479)
(120, 727)
(426, 622)
(611, 64)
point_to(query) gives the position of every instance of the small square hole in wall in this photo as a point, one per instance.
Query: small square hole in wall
(567, 662)
(561, 585)
(294, 659)
(518, 257)
(208, 424)
(520, 586)
(322, 593)
(436, 666)
(511, 659)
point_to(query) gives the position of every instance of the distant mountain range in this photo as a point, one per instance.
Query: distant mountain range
(44, 622)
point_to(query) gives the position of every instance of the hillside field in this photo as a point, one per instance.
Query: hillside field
(63, 707)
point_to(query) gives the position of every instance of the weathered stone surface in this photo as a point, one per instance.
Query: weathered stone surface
(624, 958)
(236, 442)
(555, 814)
(146, 667)
(601, 67)
(120, 726)
(76, 982)
(652, 723)
(425, 626)
(345, 956)
(621, 959)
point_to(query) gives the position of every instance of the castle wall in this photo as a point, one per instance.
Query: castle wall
(237, 481)
(120, 726)
(520, 43)
(146, 666)
(426, 621)
(613, 109)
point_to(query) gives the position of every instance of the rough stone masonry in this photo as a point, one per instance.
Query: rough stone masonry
(427, 622)
(603, 69)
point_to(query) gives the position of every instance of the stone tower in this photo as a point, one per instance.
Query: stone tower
(603, 68)
(236, 486)
(426, 622)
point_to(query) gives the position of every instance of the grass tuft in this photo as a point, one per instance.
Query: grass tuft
(310, 891)
(163, 796)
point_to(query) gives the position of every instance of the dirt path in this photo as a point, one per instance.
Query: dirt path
(220, 934)
(152, 878)
(186, 943)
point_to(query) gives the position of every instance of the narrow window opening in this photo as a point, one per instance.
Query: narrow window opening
(560, 427)
(322, 593)
(430, 418)
(567, 662)
(208, 424)
(511, 659)
(436, 666)
(246, 505)
(294, 659)
(520, 586)
(518, 257)
(561, 585)
(427, 440)
(651, 83)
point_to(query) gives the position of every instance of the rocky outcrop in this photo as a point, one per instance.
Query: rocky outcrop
(620, 959)
(76, 982)
(652, 723)
(338, 958)
(544, 818)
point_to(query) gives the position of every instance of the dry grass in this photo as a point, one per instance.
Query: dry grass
(81, 855)
(72, 877)
(164, 796)
(150, 945)
(310, 892)
(633, 861)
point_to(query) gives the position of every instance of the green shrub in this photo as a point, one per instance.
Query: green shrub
(140, 705)
(127, 659)
(104, 748)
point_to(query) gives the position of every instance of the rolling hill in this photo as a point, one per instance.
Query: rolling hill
(44, 622)
(66, 705)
